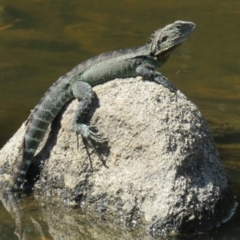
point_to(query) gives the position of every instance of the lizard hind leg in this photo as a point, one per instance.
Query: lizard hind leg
(84, 93)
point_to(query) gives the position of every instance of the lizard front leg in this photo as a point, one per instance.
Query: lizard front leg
(147, 71)
(83, 92)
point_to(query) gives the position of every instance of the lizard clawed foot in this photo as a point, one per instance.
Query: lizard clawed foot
(95, 135)
(160, 79)
(90, 135)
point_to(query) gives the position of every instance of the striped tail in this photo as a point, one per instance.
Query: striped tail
(38, 123)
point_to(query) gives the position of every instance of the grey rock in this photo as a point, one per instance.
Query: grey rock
(162, 167)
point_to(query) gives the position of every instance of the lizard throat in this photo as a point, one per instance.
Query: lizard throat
(163, 56)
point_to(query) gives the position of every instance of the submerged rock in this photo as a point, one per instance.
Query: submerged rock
(161, 167)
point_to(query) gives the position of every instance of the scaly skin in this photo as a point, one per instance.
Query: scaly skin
(78, 83)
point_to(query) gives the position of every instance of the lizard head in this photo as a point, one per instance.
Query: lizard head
(166, 39)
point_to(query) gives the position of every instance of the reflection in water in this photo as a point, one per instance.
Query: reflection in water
(43, 220)
(28, 224)
(38, 219)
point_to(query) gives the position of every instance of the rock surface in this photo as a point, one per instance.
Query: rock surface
(162, 167)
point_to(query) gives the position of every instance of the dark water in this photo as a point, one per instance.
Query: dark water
(41, 40)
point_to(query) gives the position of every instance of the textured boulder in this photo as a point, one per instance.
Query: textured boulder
(161, 167)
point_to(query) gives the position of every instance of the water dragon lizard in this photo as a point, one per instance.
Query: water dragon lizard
(78, 83)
